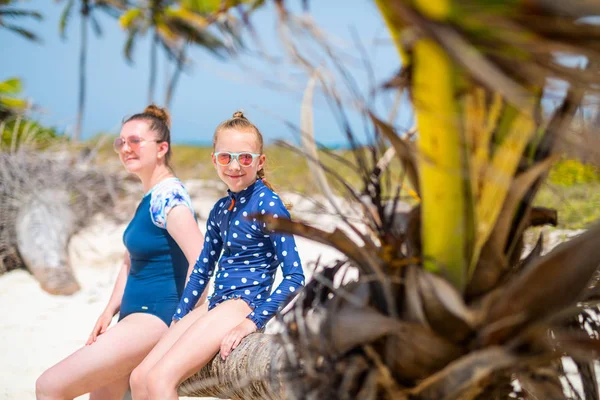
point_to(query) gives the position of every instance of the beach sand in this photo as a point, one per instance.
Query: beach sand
(39, 329)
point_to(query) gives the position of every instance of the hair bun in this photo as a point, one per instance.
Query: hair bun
(239, 114)
(160, 113)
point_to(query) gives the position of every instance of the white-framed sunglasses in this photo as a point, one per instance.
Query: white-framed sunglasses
(245, 159)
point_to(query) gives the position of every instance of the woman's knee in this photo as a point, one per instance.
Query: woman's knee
(48, 387)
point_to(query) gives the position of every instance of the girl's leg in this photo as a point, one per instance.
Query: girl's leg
(114, 355)
(138, 376)
(194, 349)
(113, 391)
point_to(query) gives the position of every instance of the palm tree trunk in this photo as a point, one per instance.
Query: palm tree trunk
(82, 75)
(45, 221)
(175, 77)
(253, 371)
(152, 82)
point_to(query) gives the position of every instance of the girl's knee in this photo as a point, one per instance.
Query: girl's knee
(158, 385)
(137, 382)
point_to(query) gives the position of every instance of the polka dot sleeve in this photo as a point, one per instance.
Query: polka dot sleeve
(203, 269)
(293, 275)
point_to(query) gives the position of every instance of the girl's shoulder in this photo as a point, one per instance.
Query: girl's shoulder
(266, 201)
(221, 204)
(164, 197)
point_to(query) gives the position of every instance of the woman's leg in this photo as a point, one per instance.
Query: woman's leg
(137, 380)
(113, 391)
(114, 355)
(194, 349)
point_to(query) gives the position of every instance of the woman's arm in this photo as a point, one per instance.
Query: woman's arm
(114, 303)
(182, 227)
(202, 269)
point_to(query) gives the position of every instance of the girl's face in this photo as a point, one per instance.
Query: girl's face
(138, 148)
(237, 177)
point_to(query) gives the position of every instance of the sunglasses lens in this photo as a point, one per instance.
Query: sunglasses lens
(224, 158)
(118, 144)
(245, 159)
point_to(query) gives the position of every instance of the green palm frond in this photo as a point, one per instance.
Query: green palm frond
(12, 13)
(26, 33)
(64, 18)
(11, 86)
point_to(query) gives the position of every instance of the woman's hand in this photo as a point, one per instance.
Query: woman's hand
(100, 327)
(235, 336)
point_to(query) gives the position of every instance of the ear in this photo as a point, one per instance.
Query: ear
(262, 159)
(214, 159)
(163, 148)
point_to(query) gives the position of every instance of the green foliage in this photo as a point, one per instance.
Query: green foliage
(10, 104)
(15, 132)
(572, 172)
(578, 206)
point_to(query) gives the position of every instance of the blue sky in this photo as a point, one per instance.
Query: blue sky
(211, 90)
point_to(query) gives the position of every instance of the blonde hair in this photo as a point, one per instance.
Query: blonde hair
(159, 122)
(239, 122)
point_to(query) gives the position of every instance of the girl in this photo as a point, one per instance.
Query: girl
(163, 241)
(242, 302)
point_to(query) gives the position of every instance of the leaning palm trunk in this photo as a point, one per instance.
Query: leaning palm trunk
(254, 370)
(44, 201)
(446, 306)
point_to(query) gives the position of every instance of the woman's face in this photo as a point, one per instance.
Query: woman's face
(137, 147)
(237, 177)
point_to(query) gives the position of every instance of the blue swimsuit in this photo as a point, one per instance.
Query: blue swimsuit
(158, 266)
(250, 256)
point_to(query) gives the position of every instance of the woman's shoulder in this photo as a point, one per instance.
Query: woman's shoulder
(165, 196)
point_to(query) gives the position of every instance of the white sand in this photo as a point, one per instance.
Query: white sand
(38, 329)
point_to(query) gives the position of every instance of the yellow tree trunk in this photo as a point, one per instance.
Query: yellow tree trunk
(443, 172)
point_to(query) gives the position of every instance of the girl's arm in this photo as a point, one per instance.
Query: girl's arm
(293, 279)
(286, 252)
(202, 269)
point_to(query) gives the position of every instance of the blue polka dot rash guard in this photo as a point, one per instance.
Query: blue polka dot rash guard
(251, 256)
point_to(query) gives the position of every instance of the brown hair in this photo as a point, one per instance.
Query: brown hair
(239, 122)
(159, 122)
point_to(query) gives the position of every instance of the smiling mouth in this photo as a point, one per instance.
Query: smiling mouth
(235, 176)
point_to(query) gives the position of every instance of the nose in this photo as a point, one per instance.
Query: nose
(235, 165)
(125, 148)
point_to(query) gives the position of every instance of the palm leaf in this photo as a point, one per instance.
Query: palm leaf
(132, 35)
(12, 13)
(545, 287)
(64, 17)
(27, 34)
(11, 86)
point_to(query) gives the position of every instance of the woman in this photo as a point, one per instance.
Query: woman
(163, 242)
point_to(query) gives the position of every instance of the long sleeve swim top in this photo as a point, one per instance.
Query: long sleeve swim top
(250, 256)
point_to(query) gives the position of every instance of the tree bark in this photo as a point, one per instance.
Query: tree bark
(44, 226)
(253, 371)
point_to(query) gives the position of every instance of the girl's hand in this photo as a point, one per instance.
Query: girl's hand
(101, 325)
(235, 336)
